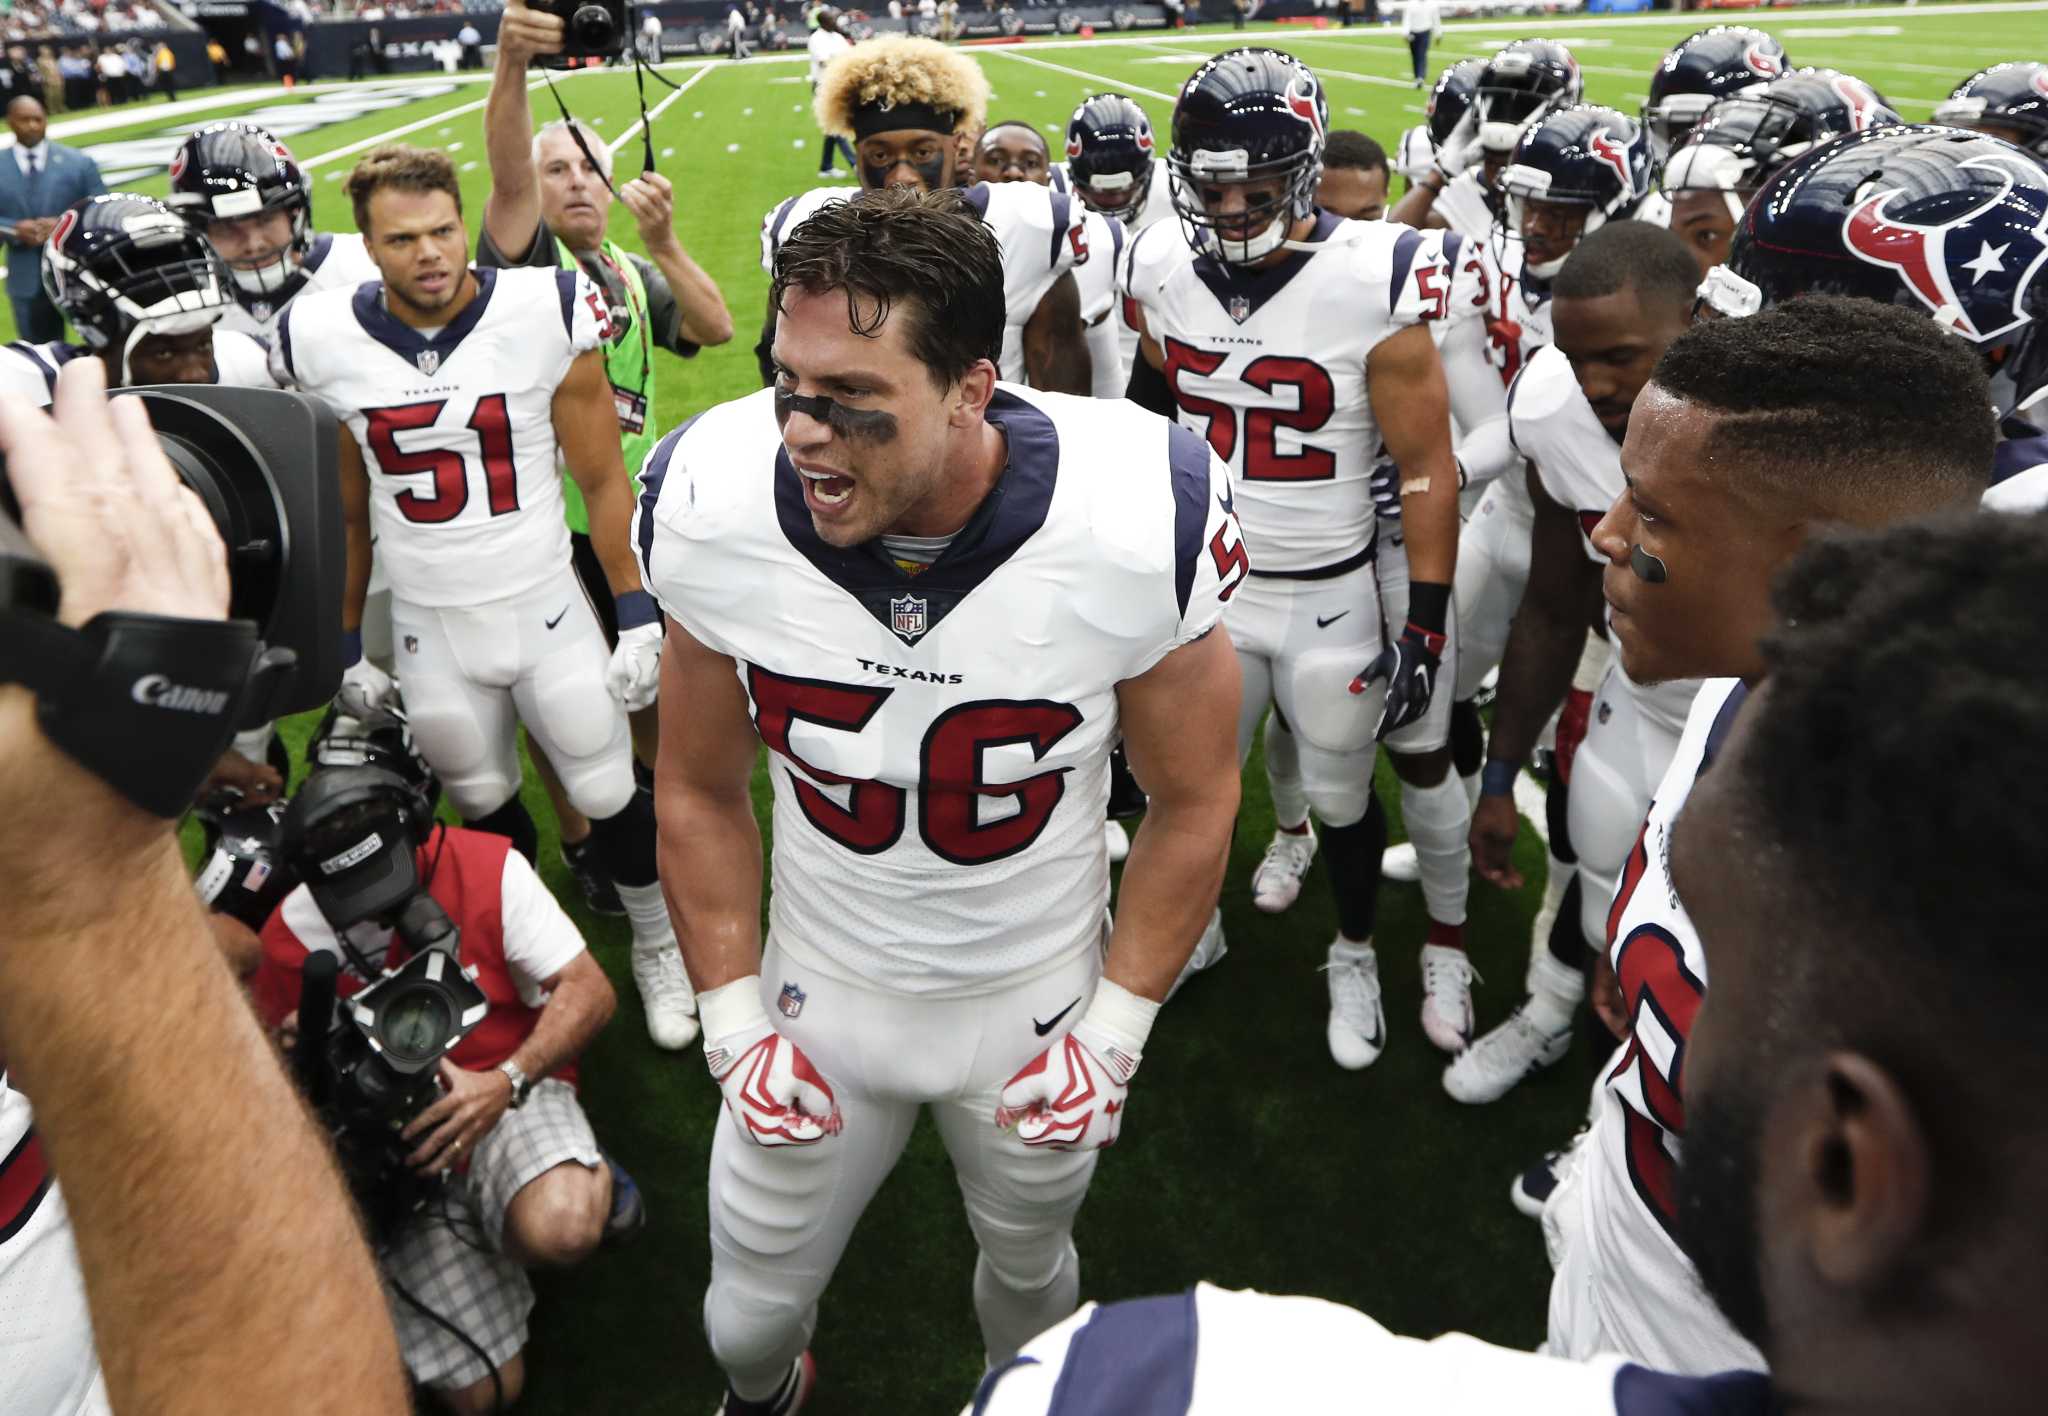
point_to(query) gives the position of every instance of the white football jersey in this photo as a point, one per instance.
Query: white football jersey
(1158, 206)
(332, 262)
(1216, 1352)
(939, 742)
(30, 370)
(457, 429)
(1270, 366)
(1040, 231)
(1628, 1194)
(51, 1367)
(1462, 205)
(1579, 465)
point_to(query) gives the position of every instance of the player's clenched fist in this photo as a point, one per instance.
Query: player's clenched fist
(1072, 1095)
(772, 1090)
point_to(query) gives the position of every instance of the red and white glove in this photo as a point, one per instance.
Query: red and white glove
(770, 1087)
(1072, 1095)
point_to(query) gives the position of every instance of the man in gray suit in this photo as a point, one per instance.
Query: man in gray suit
(38, 179)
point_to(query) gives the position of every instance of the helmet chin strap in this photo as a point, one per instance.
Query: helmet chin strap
(1272, 239)
(264, 279)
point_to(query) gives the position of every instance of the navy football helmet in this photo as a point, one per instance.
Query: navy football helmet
(1110, 150)
(1703, 68)
(1526, 80)
(243, 871)
(121, 267)
(2006, 100)
(1456, 89)
(1248, 115)
(1936, 219)
(1585, 156)
(384, 739)
(234, 169)
(1742, 141)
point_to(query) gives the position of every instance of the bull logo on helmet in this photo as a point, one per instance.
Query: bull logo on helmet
(2040, 81)
(1761, 61)
(1862, 101)
(1073, 146)
(1613, 154)
(1144, 140)
(66, 224)
(178, 163)
(1301, 101)
(1970, 272)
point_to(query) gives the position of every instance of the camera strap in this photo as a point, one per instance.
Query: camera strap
(146, 703)
(641, 70)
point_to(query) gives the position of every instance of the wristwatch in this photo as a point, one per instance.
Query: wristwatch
(522, 1086)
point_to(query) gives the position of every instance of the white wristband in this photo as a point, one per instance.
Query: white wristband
(731, 1008)
(1122, 1014)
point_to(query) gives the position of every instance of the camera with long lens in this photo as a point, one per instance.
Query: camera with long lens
(369, 1063)
(142, 704)
(591, 29)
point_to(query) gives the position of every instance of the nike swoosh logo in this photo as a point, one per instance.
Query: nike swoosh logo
(1322, 623)
(1054, 1021)
(558, 618)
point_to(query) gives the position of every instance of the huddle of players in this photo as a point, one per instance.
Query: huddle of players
(1443, 385)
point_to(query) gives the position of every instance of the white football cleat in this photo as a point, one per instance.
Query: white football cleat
(1492, 1067)
(789, 1398)
(1357, 1030)
(1400, 864)
(1117, 839)
(1276, 883)
(1447, 976)
(665, 994)
(1208, 950)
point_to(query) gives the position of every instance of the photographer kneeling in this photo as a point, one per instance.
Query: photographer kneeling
(506, 1144)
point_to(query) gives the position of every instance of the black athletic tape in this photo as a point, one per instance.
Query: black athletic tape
(862, 425)
(146, 703)
(1646, 566)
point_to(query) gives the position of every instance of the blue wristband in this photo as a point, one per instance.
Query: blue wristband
(1498, 778)
(351, 648)
(637, 607)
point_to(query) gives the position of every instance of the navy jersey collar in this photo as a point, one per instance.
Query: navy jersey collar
(1228, 282)
(1008, 516)
(405, 341)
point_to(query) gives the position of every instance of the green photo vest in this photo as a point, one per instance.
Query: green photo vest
(628, 363)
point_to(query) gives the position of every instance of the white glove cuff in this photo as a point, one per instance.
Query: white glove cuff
(1122, 1015)
(731, 1008)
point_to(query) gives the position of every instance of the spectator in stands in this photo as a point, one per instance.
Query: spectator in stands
(38, 180)
(1354, 181)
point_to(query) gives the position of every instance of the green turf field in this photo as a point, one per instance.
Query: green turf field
(1248, 1158)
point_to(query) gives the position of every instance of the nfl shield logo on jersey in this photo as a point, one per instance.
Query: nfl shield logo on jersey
(907, 617)
(260, 311)
(1240, 308)
(792, 1000)
(428, 360)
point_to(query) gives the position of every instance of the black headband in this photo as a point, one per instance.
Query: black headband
(872, 118)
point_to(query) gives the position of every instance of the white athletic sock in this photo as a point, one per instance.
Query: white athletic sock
(1283, 772)
(1555, 993)
(1010, 1317)
(648, 913)
(1557, 879)
(1439, 821)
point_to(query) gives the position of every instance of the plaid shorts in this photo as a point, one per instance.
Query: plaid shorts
(448, 1256)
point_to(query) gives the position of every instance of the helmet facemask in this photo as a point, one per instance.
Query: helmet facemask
(1266, 220)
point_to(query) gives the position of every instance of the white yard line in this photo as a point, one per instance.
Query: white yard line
(660, 108)
(1120, 85)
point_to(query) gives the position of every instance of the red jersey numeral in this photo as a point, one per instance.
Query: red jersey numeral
(1433, 284)
(1315, 400)
(490, 421)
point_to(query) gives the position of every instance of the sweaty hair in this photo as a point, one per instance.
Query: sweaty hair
(402, 168)
(902, 71)
(1886, 781)
(1848, 409)
(1630, 255)
(1347, 147)
(926, 251)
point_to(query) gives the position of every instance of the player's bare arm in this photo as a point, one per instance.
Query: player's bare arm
(705, 318)
(512, 211)
(710, 842)
(587, 427)
(1180, 731)
(1562, 598)
(1411, 402)
(1417, 206)
(1055, 345)
(355, 520)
